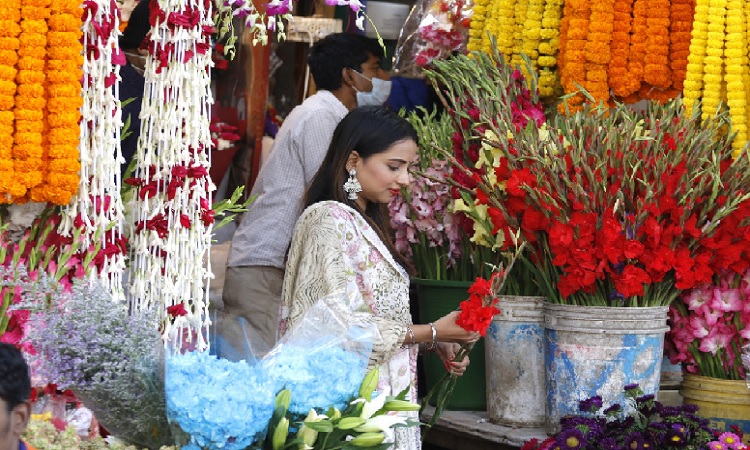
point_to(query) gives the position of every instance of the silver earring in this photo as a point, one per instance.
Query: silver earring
(352, 185)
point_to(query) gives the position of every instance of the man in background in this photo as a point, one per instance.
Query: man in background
(15, 404)
(346, 68)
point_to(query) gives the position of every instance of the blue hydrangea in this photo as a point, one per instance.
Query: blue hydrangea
(221, 404)
(318, 374)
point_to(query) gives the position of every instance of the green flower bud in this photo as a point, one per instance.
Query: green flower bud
(347, 423)
(400, 405)
(369, 384)
(280, 434)
(368, 439)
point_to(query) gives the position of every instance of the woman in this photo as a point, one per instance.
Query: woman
(341, 244)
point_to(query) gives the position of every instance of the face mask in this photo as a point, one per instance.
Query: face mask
(381, 89)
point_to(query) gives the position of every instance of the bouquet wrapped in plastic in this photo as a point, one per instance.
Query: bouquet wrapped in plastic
(228, 404)
(110, 359)
(434, 30)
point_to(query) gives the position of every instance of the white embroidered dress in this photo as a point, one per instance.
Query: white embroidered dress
(334, 250)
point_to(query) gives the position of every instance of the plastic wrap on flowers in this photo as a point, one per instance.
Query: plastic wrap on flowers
(108, 357)
(323, 357)
(227, 402)
(217, 403)
(434, 30)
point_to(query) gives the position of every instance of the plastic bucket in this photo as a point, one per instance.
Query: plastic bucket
(436, 299)
(514, 359)
(598, 351)
(722, 402)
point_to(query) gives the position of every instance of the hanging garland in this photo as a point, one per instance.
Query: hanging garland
(598, 49)
(736, 66)
(617, 72)
(693, 85)
(39, 98)
(712, 66)
(173, 217)
(97, 209)
(656, 71)
(575, 20)
(477, 25)
(30, 98)
(60, 154)
(681, 18)
(10, 17)
(549, 80)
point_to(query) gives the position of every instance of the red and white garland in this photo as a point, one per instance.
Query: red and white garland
(97, 210)
(173, 216)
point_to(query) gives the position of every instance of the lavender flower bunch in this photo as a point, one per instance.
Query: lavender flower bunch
(109, 358)
(642, 423)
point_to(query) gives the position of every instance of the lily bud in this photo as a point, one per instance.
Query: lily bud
(368, 439)
(280, 434)
(336, 414)
(348, 423)
(369, 384)
(400, 405)
(284, 397)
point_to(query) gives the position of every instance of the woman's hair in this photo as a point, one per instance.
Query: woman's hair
(369, 130)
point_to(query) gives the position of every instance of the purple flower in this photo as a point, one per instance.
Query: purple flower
(609, 444)
(614, 409)
(637, 441)
(570, 439)
(591, 405)
(630, 387)
(678, 435)
(715, 445)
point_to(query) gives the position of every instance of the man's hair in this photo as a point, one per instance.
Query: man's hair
(138, 26)
(336, 52)
(15, 384)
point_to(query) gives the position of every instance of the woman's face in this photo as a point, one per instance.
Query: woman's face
(384, 174)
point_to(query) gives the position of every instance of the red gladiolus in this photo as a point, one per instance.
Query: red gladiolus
(177, 310)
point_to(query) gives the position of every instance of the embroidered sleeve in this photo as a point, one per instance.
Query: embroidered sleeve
(323, 261)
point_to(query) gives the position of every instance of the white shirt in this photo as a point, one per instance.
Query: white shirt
(263, 236)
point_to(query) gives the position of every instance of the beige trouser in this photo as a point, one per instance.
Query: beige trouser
(253, 293)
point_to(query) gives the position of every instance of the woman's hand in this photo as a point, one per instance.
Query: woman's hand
(449, 331)
(447, 353)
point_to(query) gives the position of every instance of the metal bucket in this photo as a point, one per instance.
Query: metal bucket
(514, 360)
(598, 351)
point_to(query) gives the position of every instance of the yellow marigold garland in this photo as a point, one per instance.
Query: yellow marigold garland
(477, 25)
(502, 25)
(10, 12)
(656, 60)
(737, 68)
(713, 63)
(693, 85)
(549, 81)
(520, 9)
(532, 31)
(27, 142)
(64, 54)
(681, 18)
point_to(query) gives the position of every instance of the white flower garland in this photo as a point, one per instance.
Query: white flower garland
(172, 237)
(97, 210)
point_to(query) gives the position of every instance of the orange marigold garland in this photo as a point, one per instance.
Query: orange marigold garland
(637, 51)
(656, 60)
(597, 49)
(573, 68)
(10, 14)
(617, 72)
(64, 100)
(30, 96)
(681, 25)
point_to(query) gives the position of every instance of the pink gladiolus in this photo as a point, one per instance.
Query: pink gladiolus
(714, 341)
(699, 327)
(726, 300)
(711, 315)
(698, 297)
